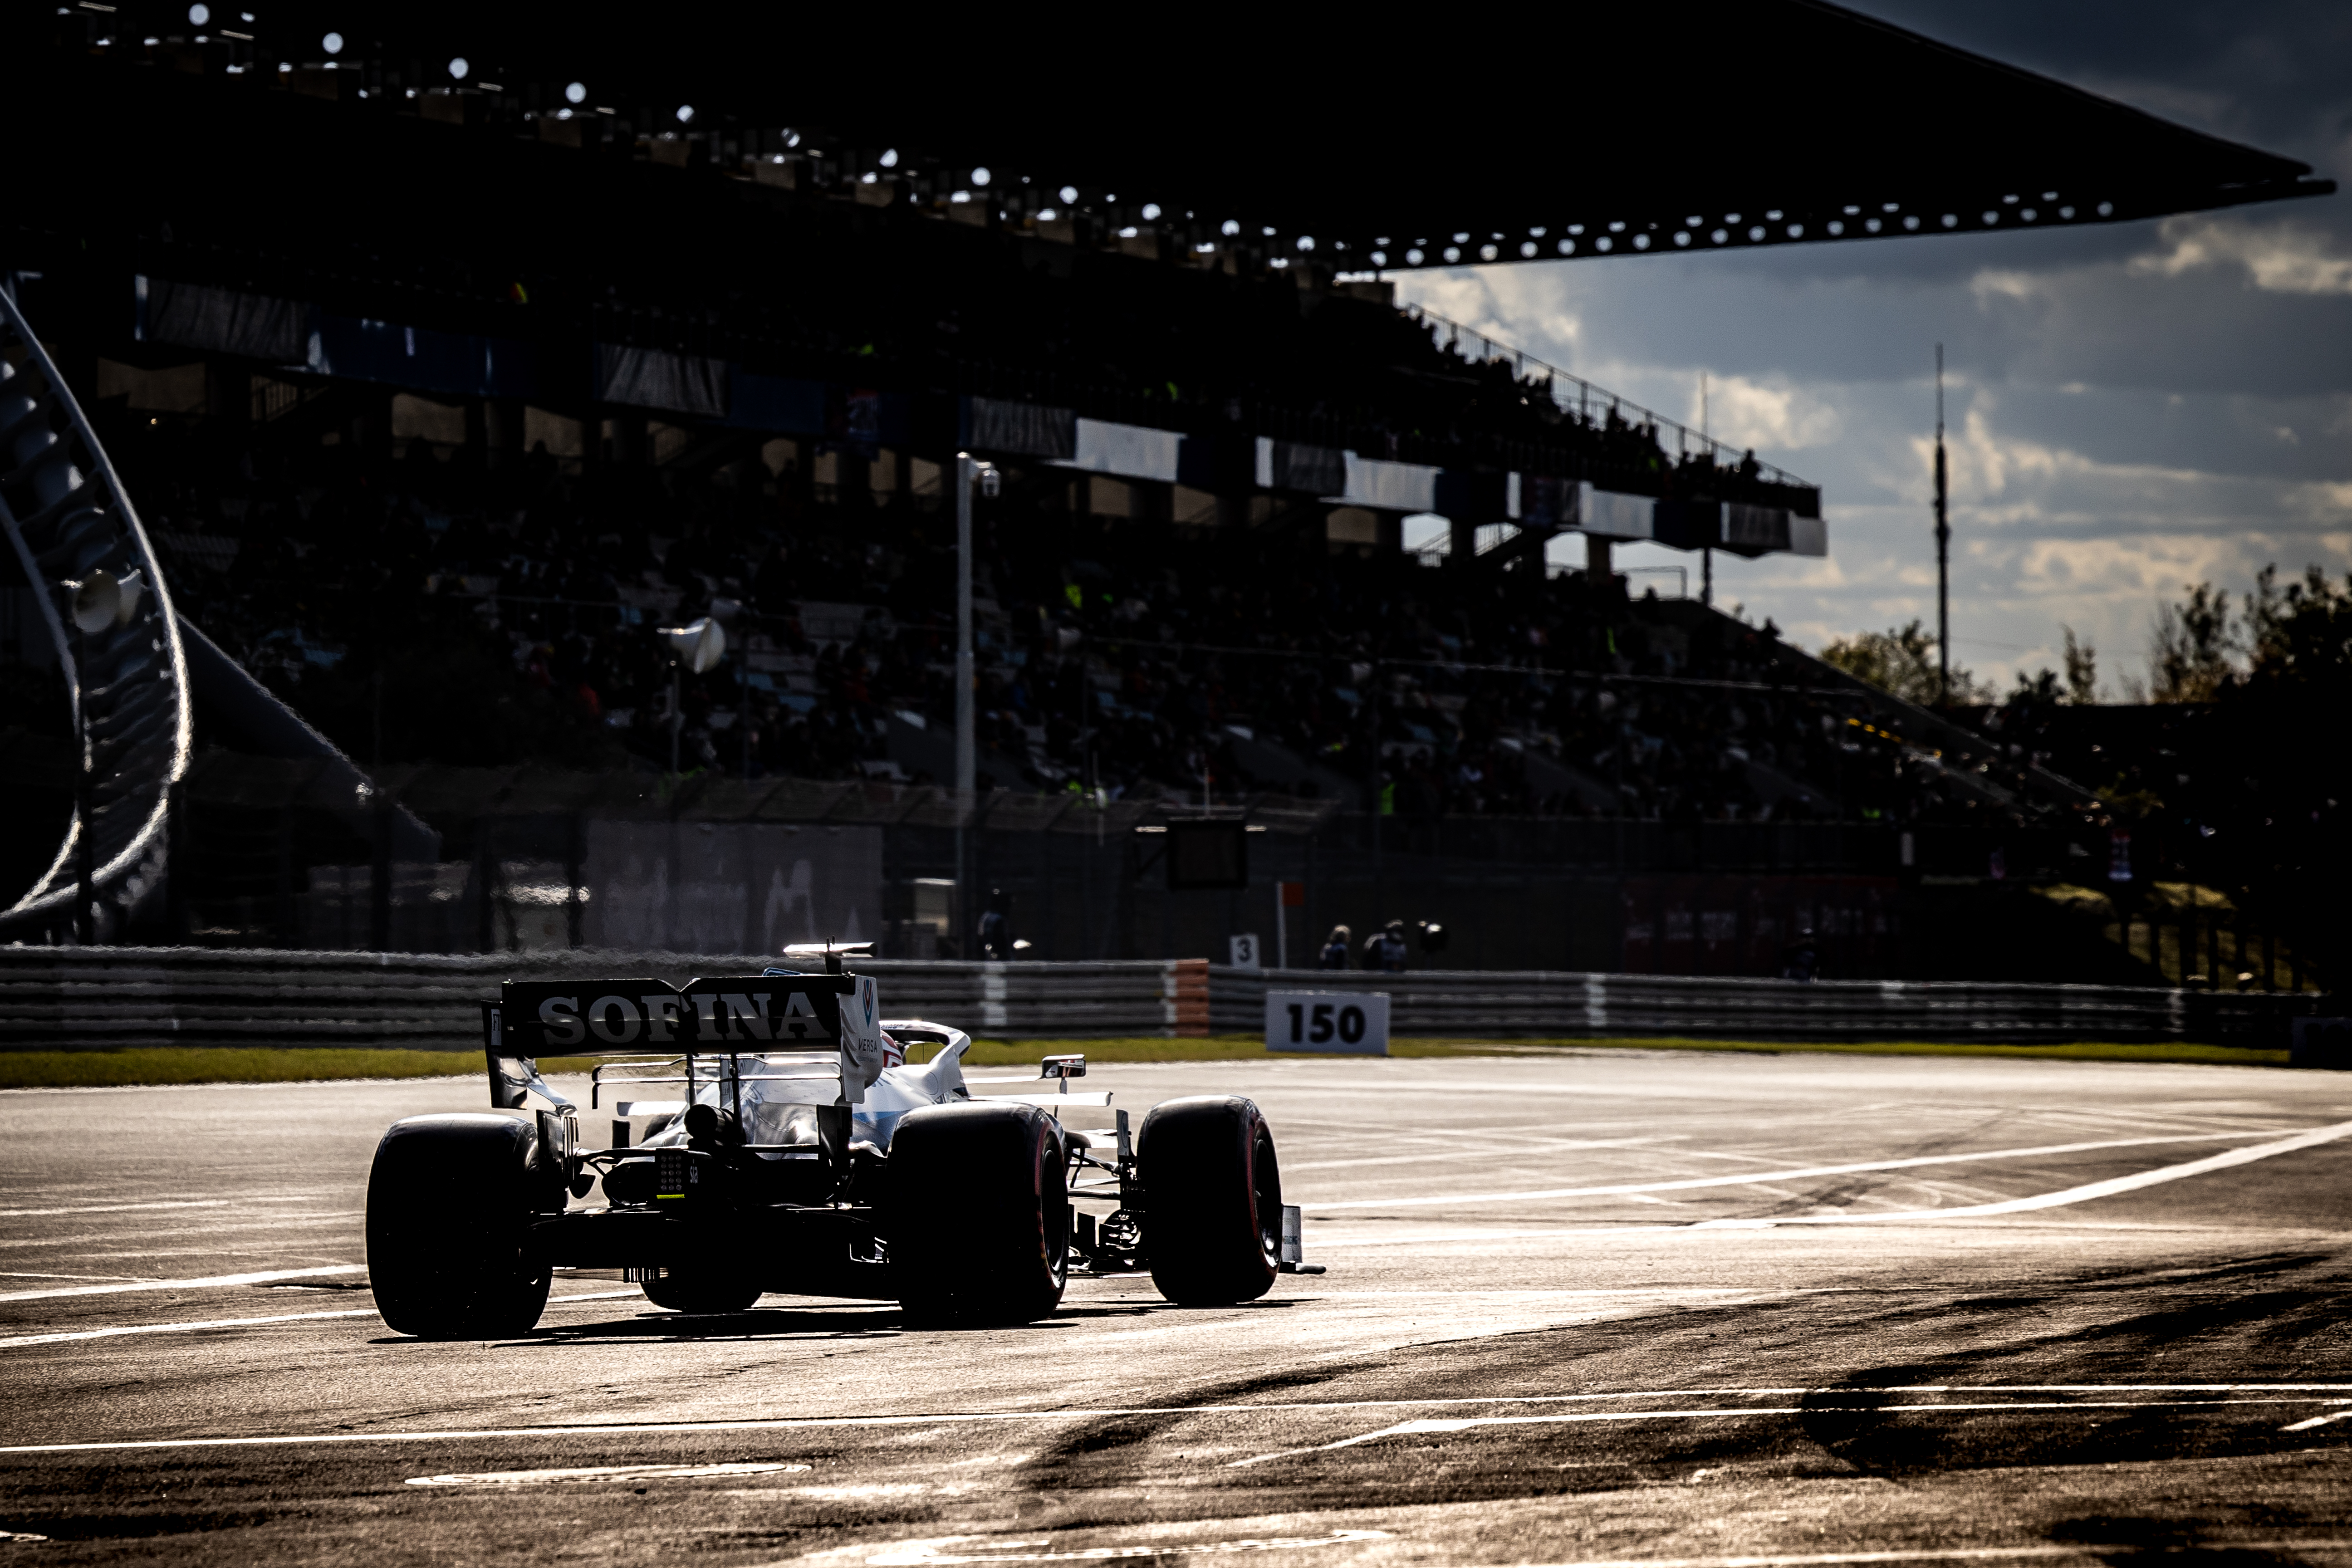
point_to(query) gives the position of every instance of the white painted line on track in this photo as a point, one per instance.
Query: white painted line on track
(1444, 1423)
(62, 1336)
(1799, 1173)
(180, 1204)
(2319, 1421)
(998, 1417)
(2088, 1190)
(926, 1553)
(2105, 1551)
(212, 1282)
(605, 1473)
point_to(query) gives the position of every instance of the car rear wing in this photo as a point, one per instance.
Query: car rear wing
(817, 1039)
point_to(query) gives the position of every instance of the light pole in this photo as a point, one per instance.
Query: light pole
(1943, 554)
(969, 472)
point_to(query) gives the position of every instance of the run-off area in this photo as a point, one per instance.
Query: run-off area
(1599, 1308)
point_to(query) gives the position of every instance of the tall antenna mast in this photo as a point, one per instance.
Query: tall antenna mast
(1943, 552)
(1707, 445)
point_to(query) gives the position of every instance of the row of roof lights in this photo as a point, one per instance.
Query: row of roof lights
(459, 67)
(1721, 234)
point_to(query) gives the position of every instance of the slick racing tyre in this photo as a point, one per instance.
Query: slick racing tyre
(979, 1215)
(693, 1289)
(449, 1203)
(1212, 1197)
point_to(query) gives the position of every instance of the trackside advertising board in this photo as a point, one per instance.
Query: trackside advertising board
(1335, 1023)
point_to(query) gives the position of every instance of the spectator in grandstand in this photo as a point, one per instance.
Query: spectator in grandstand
(1335, 949)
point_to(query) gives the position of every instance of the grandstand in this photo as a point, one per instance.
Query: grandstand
(437, 394)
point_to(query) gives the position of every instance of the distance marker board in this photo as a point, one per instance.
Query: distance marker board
(1336, 1023)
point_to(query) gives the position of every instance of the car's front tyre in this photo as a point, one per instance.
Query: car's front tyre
(1212, 1200)
(449, 1204)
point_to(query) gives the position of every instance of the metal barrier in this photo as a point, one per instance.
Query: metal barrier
(1597, 1007)
(112, 998)
(67, 998)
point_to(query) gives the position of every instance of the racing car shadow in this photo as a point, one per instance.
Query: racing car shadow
(845, 1321)
(848, 1321)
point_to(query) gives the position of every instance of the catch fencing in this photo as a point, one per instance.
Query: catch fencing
(55, 998)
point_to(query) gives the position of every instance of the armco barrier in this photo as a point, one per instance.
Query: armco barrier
(1595, 1006)
(55, 998)
(114, 997)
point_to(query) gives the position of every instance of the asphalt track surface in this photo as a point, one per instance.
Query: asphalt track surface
(1583, 1308)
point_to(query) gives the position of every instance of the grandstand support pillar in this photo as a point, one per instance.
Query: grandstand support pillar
(1596, 558)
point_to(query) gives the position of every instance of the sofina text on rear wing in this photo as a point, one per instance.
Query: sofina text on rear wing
(720, 1015)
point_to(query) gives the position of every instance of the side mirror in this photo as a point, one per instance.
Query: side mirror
(1064, 1068)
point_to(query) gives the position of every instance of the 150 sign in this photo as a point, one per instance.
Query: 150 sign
(1339, 1022)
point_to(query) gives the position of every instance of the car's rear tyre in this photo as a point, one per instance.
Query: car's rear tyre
(1212, 1194)
(448, 1223)
(691, 1290)
(978, 1217)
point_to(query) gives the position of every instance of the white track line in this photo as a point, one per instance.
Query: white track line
(2221, 1162)
(1804, 1173)
(926, 1553)
(182, 1203)
(996, 1417)
(2103, 1550)
(116, 1333)
(215, 1281)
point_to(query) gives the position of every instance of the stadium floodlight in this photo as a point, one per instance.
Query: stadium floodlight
(1306, 242)
(1069, 193)
(686, 114)
(1046, 214)
(1151, 211)
(1230, 226)
(979, 176)
(698, 645)
(458, 67)
(332, 43)
(576, 93)
(891, 157)
(200, 15)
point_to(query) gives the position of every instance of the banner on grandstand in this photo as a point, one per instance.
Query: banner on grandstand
(1021, 429)
(192, 316)
(1755, 530)
(688, 887)
(655, 378)
(1605, 514)
(1295, 466)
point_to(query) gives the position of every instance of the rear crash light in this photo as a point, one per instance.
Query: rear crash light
(675, 1171)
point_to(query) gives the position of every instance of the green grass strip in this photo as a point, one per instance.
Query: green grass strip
(197, 1064)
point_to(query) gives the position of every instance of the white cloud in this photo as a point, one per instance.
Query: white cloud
(2284, 257)
(1744, 413)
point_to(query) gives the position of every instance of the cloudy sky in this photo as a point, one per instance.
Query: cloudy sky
(2132, 407)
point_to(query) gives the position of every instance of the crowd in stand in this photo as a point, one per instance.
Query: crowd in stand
(1131, 657)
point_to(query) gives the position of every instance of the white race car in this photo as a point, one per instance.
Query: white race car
(794, 1149)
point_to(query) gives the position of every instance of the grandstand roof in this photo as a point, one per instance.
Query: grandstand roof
(1590, 129)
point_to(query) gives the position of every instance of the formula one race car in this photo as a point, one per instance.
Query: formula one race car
(795, 1149)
